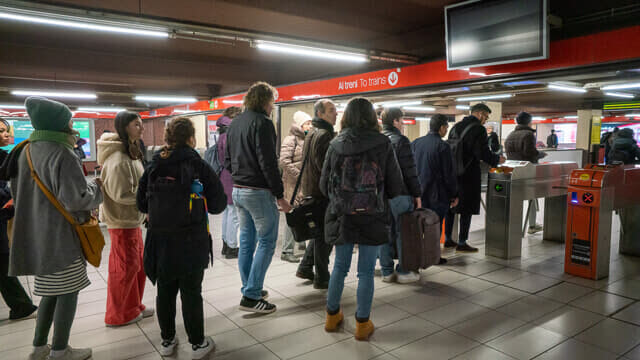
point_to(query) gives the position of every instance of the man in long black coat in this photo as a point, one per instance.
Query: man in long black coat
(475, 149)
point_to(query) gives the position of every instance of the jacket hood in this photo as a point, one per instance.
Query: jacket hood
(223, 121)
(322, 124)
(625, 133)
(179, 154)
(356, 141)
(391, 128)
(108, 144)
(524, 127)
(299, 118)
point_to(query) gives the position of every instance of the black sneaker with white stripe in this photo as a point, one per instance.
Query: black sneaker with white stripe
(257, 306)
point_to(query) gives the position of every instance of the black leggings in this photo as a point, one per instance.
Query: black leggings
(59, 310)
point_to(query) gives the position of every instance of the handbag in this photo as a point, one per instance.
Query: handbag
(305, 219)
(89, 233)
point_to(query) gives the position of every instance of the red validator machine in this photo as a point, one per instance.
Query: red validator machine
(593, 194)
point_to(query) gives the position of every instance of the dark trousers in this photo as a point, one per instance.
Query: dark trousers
(317, 256)
(12, 292)
(190, 287)
(465, 224)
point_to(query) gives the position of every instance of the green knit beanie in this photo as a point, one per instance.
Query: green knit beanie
(47, 114)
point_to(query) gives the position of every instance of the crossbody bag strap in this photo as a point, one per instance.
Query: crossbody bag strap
(46, 191)
(299, 180)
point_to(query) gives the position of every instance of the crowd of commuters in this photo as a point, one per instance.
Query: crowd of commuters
(362, 178)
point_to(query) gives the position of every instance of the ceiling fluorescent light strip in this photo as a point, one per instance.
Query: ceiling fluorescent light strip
(54, 94)
(47, 19)
(571, 117)
(484, 97)
(463, 107)
(418, 108)
(567, 88)
(622, 95)
(622, 86)
(420, 118)
(10, 106)
(100, 109)
(633, 115)
(539, 118)
(310, 51)
(398, 103)
(167, 99)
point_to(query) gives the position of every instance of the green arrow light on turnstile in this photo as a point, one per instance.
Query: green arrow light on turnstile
(499, 187)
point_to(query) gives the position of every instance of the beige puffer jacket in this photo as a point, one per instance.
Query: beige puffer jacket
(291, 155)
(120, 175)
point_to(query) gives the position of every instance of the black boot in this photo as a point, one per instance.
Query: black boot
(232, 253)
(225, 248)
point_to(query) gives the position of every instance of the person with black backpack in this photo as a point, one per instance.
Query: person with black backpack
(624, 149)
(177, 191)
(468, 141)
(359, 176)
(214, 156)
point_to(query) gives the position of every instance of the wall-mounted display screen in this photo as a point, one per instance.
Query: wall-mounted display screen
(494, 32)
(22, 129)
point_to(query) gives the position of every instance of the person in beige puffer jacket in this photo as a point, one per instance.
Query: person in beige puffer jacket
(120, 156)
(291, 163)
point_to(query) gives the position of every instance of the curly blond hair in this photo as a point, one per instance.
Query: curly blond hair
(259, 95)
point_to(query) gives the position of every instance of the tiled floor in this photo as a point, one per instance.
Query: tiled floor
(476, 307)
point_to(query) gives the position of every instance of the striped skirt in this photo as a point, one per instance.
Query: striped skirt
(73, 278)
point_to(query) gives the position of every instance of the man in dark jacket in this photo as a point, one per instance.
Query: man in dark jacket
(315, 148)
(493, 140)
(521, 145)
(474, 149)
(437, 174)
(624, 148)
(552, 140)
(406, 202)
(251, 159)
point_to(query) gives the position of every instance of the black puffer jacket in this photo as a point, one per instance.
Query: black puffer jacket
(521, 145)
(624, 148)
(251, 153)
(178, 252)
(360, 229)
(5, 214)
(404, 155)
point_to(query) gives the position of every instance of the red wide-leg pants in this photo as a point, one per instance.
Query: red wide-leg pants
(125, 285)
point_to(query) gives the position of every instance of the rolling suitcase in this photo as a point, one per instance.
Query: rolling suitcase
(420, 231)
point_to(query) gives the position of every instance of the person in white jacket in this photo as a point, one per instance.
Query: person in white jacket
(120, 156)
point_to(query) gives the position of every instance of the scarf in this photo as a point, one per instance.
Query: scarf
(64, 138)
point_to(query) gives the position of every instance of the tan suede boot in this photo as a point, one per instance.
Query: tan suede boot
(364, 330)
(333, 321)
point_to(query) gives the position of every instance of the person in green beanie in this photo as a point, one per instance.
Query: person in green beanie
(45, 244)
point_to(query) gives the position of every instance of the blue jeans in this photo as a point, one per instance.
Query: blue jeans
(258, 219)
(230, 226)
(366, 268)
(399, 205)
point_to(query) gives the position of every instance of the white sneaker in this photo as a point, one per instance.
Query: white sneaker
(132, 321)
(202, 350)
(167, 347)
(148, 312)
(72, 354)
(535, 229)
(40, 353)
(389, 278)
(409, 278)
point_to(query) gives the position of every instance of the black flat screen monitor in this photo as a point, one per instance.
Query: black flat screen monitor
(480, 33)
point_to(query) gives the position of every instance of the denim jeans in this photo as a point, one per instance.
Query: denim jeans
(288, 241)
(230, 226)
(257, 227)
(366, 268)
(399, 205)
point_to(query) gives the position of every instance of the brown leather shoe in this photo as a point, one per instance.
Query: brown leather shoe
(364, 330)
(333, 322)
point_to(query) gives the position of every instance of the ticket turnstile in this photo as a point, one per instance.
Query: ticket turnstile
(508, 187)
(593, 194)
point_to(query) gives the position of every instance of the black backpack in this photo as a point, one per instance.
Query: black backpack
(358, 184)
(212, 156)
(618, 156)
(457, 149)
(171, 206)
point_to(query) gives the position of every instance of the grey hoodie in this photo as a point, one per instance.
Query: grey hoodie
(43, 241)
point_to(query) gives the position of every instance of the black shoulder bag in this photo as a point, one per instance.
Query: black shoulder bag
(304, 220)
